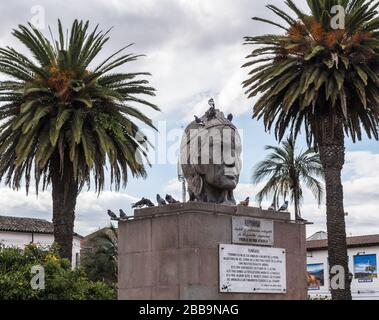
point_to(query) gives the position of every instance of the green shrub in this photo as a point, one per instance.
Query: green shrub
(61, 282)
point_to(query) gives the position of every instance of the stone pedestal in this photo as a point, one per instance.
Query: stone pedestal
(171, 252)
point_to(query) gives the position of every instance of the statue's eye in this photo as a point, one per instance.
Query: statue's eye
(232, 165)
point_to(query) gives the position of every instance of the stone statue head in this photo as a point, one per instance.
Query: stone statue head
(210, 158)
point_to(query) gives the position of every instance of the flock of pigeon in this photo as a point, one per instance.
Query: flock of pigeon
(283, 208)
(147, 203)
(142, 204)
(211, 114)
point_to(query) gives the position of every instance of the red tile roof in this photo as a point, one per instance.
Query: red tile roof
(32, 225)
(25, 225)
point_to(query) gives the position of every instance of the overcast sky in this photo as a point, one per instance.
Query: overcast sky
(194, 50)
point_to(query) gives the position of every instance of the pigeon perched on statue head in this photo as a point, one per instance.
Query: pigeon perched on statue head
(161, 202)
(211, 113)
(211, 102)
(230, 117)
(170, 199)
(199, 121)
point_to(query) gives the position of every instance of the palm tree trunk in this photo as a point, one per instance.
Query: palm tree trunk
(332, 155)
(64, 194)
(297, 203)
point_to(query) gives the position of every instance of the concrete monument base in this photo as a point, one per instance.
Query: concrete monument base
(172, 252)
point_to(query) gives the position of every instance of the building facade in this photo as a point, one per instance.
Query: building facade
(19, 232)
(363, 253)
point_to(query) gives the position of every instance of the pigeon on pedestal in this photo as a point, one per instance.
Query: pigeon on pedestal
(113, 215)
(123, 215)
(161, 202)
(170, 199)
(143, 203)
(245, 203)
(284, 207)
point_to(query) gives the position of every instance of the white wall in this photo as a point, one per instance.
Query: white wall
(20, 239)
(360, 291)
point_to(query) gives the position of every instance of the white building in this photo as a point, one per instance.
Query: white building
(18, 232)
(363, 252)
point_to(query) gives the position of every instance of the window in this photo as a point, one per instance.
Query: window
(77, 260)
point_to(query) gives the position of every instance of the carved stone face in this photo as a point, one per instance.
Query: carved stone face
(223, 173)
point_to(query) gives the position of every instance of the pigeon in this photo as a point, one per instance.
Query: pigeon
(284, 207)
(245, 203)
(170, 199)
(272, 207)
(113, 215)
(199, 121)
(143, 203)
(161, 202)
(211, 102)
(211, 113)
(230, 117)
(123, 215)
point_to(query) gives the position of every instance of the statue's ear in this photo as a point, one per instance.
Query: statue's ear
(196, 184)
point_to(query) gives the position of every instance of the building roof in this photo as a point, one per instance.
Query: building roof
(321, 235)
(352, 242)
(31, 225)
(86, 241)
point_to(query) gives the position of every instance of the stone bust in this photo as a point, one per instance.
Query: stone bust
(210, 157)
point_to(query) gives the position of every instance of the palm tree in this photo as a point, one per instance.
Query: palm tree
(100, 263)
(325, 81)
(65, 119)
(286, 171)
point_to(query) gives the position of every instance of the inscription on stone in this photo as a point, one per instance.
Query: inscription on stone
(249, 269)
(251, 231)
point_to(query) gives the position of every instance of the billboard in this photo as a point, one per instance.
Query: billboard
(315, 277)
(365, 268)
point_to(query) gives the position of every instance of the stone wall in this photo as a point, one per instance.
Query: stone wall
(171, 252)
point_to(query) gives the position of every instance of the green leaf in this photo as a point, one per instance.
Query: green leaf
(314, 52)
(26, 106)
(362, 74)
(54, 132)
(77, 126)
(86, 101)
(340, 78)
(62, 118)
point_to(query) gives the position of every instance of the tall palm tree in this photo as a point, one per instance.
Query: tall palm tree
(325, 81)
(286, 171)
(64, 119)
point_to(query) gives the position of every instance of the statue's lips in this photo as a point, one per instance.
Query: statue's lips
(234, 178)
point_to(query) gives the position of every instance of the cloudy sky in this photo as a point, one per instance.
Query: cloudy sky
(194, 50)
